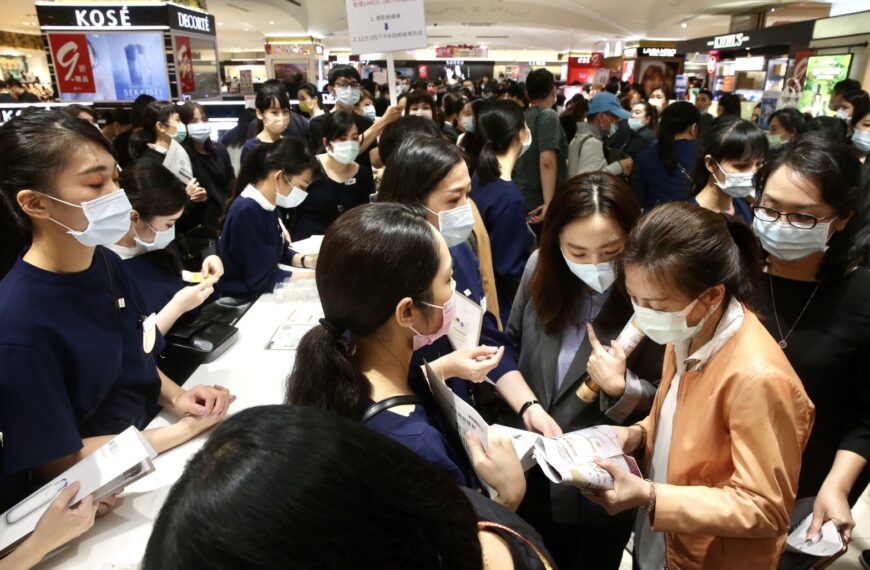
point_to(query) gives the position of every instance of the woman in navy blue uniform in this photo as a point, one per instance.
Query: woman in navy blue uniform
(75, 353)
(429, 173)
(501, 203)
(148, 248)
(273, 116)
(342, 183)
(253, 242)
(386, 283)
(731, 151)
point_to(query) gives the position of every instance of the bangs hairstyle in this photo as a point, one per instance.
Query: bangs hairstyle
(272, 93)
(555, 291)
(416, 168)
(730, 138)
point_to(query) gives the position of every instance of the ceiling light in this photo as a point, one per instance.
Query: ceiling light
(684, 25)
(773, 9)
(271, 22)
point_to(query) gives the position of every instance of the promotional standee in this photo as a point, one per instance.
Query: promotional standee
(107, 52)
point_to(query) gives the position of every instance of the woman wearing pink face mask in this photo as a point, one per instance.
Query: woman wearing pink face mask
(386, 285)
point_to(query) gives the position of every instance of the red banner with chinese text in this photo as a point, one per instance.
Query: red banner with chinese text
(72, 63)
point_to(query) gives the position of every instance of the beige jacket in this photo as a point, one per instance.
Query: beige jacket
(739, 430)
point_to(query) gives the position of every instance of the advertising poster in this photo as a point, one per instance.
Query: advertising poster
(124, 65)
(72, 62)
(656, 73)
(184, 64)
(822, 72)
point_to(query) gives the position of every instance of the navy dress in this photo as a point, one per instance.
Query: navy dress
(72, 364)
(466, 273)
(502, 207)
(251, 246)
(327, 200)
(654, 184)
(423, 431)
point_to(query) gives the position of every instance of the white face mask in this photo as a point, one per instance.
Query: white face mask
(737, 184)
(526, 145)
(347, 96)
(294, 198)
(664, 327)
(844, 114)
(598, 276)
(421, 113)
(657, 102)
(370, 112)
(468, 124)
(784, 241)
(861, 140)
(635, 123)
(108, 219)
(199, 132)
(456, 224)
(162, 238)
(344, 151)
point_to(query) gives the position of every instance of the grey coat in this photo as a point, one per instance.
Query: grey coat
(538, 358)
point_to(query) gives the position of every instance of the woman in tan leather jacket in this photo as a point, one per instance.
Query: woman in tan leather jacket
(724, 438)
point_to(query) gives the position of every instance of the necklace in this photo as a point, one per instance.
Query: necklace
(783, 343)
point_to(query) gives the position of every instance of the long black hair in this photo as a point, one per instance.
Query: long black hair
(730, 138)
(791, 120)
(155, 112)
(34, 148)
(836, 170)
(289, 155)
(187, 113)
(675, 119)
(499, 124)
(423, 159)
(396, 132)
(371, 258)
(293, 487)
(338, 124)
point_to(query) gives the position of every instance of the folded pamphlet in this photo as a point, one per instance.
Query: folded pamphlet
(570, 458)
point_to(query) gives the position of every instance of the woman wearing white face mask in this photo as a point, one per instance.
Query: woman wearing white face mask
(340, 185)
(252, 241)
(212, 169)
(386, 288)
(421, 104)
(643, 124)
(810, 222)
(161, 130)
(571, 287)
(273, 116)
(731, 153)
(500, 202)
(149, 251)
(366, 106)
(75, 351)
(860, 123)
(430, 173)
(730, 420)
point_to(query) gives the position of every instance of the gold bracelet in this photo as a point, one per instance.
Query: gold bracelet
(651, 506)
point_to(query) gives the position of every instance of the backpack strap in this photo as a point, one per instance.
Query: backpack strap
(379, 407)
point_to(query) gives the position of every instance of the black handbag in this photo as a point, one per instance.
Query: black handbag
(201, 338)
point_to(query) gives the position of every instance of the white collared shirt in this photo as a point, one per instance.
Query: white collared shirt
(251, 192)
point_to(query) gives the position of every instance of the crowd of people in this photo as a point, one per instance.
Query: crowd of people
(741, 255)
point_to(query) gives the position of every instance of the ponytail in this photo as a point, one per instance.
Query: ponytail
(155, 112)
(676, 118)
(488, 168)
(324, 377)
(744, 285)
(499, 124)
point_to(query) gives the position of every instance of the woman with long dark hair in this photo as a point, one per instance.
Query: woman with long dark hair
(430, 174)
(501, 203)
(273, 116)
(571, 304)
(661, 172)
(75, 351)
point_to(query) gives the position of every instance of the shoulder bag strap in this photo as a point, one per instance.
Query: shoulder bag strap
(488, 526)
(379, 407)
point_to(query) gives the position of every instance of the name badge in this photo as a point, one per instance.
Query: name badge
(465, 330)
(350, 182)
(149, 333)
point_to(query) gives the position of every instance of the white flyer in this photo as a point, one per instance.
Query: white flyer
(178, 162)
(287, 337)
(116, 464)
(467, 324)
(569, 458)
(827, 543)
(523, 442)
(308, 246)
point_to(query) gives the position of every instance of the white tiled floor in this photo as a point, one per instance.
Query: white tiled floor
(860, 538)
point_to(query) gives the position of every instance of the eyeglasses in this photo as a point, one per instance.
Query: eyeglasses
(351, 84)
(798, 220)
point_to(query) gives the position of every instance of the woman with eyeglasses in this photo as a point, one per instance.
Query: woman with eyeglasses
(341, 184)
(817, 308)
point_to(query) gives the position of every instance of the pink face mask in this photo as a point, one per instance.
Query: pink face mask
(448, 311)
